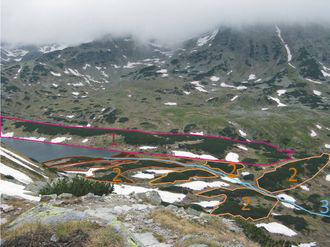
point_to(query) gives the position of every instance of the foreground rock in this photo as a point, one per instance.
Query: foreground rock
(151, 197)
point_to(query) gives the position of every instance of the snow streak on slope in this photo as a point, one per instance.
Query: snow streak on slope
(13, 189)
(204, 40)
(278, 31)
(20, 160)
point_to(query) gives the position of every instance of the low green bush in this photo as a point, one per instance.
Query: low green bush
(78, 186)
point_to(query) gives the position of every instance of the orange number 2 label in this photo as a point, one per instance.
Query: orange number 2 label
(115, 178)
(294, 174)
(247, 203)
(231, 174)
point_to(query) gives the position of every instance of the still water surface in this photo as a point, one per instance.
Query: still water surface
(43, 151)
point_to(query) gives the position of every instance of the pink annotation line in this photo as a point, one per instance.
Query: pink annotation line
(278, 149)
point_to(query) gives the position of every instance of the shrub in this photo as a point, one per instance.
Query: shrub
(9, 176)
(78, 186)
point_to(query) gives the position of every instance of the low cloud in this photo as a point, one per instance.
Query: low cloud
(170, 21)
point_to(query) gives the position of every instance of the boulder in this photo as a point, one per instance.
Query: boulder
(173, 208)
(192, 211)
(48, 214)
(35, 187)
(151, 197)
(65, 196)
(91, 197)
(46, 198)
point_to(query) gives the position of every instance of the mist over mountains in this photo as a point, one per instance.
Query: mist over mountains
(74, 22)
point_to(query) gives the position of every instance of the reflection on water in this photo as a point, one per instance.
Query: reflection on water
(43, 152)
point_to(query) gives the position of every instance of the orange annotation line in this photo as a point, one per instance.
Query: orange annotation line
(225, 198)
(297, 185)
(151, 183)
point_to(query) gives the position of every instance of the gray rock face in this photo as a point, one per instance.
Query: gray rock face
(47, 214)
(104, 214)
(151, 197)
(148, 240)
(231, 225)
(6, 208)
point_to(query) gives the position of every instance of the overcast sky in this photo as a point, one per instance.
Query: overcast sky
(76, 21)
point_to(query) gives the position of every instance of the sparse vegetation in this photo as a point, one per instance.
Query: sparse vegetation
(72, 233)
(208, 233)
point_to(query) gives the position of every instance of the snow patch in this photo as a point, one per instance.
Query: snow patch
(51, 48)
(318, 93)
(304, 187)
(13, 189)
(197, 133)
(55, 74)
(86, 66)
(313, 133)
(170, 103)
(279, 104)
(233, 98)
(20, 176)
(9, 134)
(147, 147)
(170, 197)
(325, 74)
(192, 155)
(318, 126)
(280, 92)
(242, 147)
(223, 84)
(143, 175)
(252, 77)
(205, 39)
(287, 198)
(316, 82)
(214, 78)
(278, 228)
(159, 171)
(207, 204)
(201, 89)
(311, 244)
(162, 71)
(200, 185)
(278, 30)
(233, 157)
(60, 139)
(242, 133)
